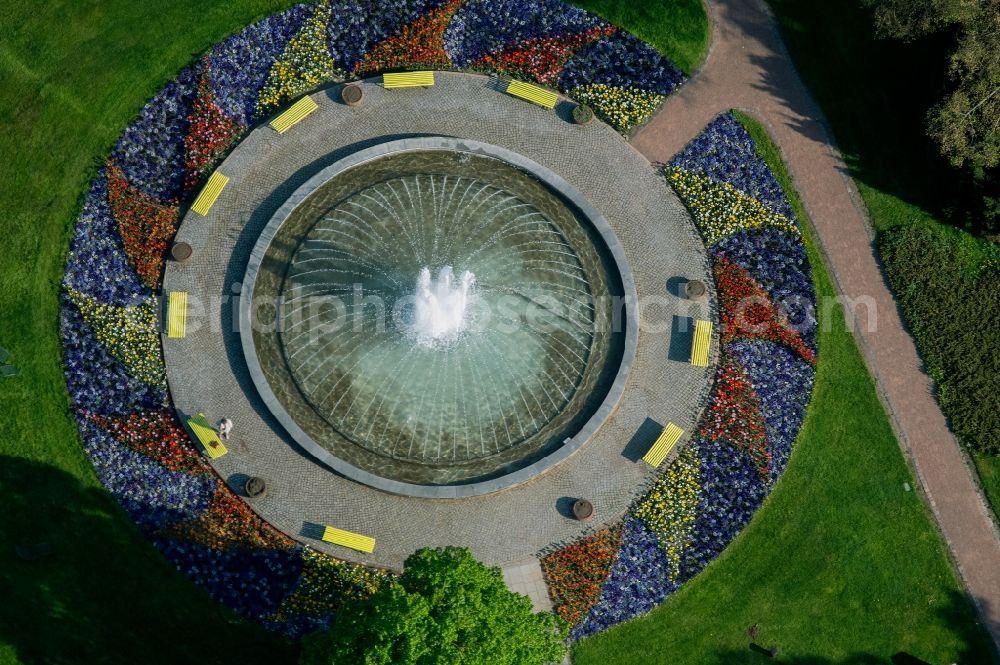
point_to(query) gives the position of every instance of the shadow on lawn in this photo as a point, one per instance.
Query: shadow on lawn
(954, 615)
(103, 594)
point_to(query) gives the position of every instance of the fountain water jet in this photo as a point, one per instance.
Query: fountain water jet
(440, 304)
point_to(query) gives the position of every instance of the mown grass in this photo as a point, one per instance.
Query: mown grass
(72, 75)
(841, 564)
(875, 94)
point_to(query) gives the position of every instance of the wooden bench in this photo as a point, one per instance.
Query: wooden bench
(408, 80)
(209, 193)
(664, 443)
(177, 304)
(207, 436)
(702, 343)
(347, 539)
(294, 114)
(533, 93)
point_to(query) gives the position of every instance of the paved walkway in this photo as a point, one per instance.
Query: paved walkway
(525, 577)
(749, 68)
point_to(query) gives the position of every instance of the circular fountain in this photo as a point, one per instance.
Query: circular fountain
(437, 318)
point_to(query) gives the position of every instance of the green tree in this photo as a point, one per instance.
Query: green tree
(445, 609)
(966, 124)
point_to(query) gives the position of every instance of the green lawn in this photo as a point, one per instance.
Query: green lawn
(857, 79)
(72, 75)
(841, 564)
(989, 474)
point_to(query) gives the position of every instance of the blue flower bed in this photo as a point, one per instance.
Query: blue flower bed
(481, 27)
(779, 263)
(97, 382)
(152, 495)
(97, 264)
(150, 151)
(240, 63)
(251, 582)
(731, 491)
(725, 152)
(358, 25)
(639, 581)
(622, 60)
(783, 381)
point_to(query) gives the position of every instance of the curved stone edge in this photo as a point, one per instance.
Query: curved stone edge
(551, 179)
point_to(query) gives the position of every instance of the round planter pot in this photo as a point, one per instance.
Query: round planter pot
(352, 94)
(582, 118)
(694, 289)
(583, 509)
(181, 251)
(255, 487)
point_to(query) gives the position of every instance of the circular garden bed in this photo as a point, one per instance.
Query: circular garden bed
(113, 360)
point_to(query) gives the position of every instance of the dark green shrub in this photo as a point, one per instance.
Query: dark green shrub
(446, 609)
(948, 286)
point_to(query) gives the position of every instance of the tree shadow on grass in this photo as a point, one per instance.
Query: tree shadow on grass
(103, 594)
(956, 614)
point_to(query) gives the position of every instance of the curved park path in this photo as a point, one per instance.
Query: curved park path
(749, 68)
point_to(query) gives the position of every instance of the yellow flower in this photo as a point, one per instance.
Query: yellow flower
(719, 209)
(127, 333)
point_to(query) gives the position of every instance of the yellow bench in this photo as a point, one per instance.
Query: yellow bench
(207, 436)
(408, 80)
(347, 539)
(177, 314)
(702, 343)
(209, 193)
(294, 115)
(533, 93)
(664, 443)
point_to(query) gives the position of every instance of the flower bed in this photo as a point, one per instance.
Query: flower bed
(575, 573)
(113, 364)
(622, 108)
(710, 491)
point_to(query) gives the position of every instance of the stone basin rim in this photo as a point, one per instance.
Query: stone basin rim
(453, 144)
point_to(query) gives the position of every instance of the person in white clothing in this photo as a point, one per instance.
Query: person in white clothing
(225, 427)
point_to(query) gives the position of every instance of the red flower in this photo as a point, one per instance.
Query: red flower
(210, 134)
(228, 523)
(576, 573)
(419, 43)
(747, 310)
(145, 225)
(157, 435)
(733, 414)
(541, 58)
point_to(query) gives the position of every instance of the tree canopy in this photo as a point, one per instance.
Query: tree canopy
(446, 608)
(966, 123)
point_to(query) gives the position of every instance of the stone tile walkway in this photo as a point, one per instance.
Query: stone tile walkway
(525, 577)
(748, 68)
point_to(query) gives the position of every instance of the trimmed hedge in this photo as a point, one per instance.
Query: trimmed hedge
(948, 286)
